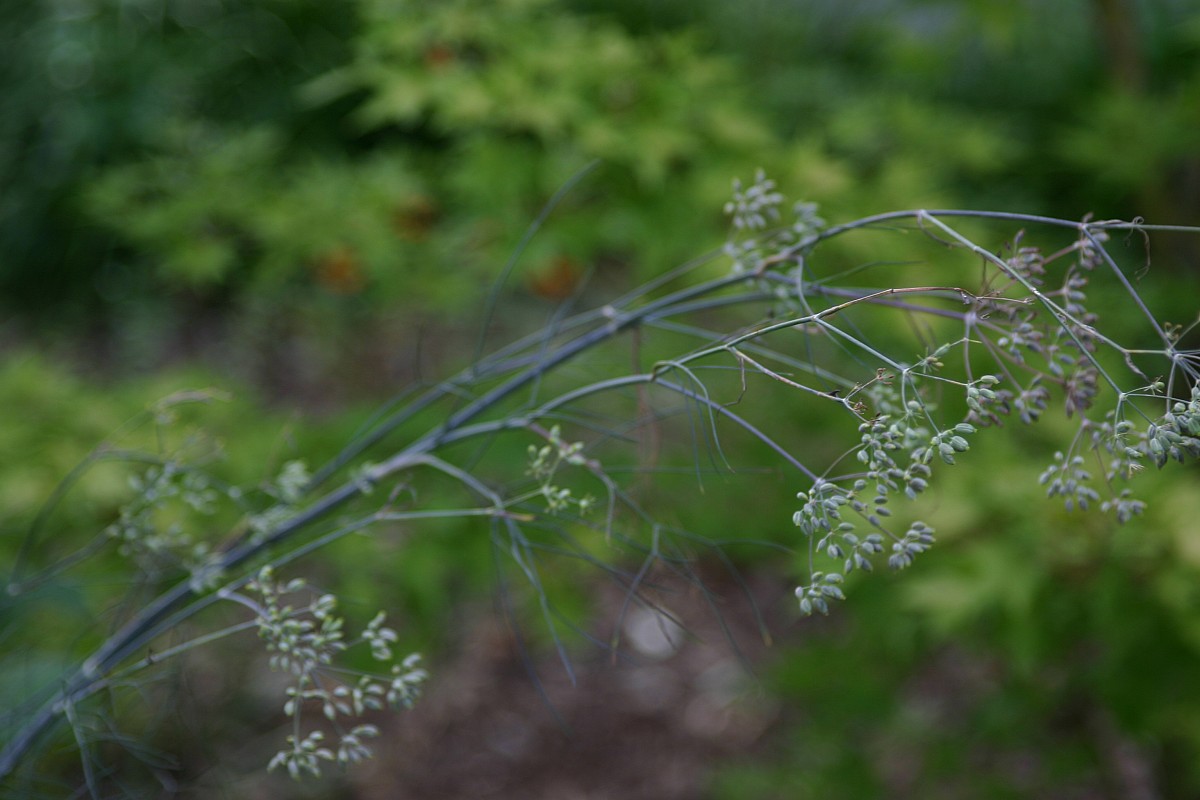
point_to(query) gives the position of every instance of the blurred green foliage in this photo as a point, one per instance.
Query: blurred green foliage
(211, 150)
(1034, 653)
(1066, 108)
(347, 164)
(88, 86)
(406, 173)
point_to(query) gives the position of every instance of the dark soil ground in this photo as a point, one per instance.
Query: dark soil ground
(650, 725)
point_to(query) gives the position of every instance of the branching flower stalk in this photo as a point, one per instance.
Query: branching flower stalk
(304, 642)
(1003, 346)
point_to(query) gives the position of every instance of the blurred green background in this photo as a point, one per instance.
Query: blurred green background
(305, 203)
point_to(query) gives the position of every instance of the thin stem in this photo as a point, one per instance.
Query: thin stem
(1059, 313)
